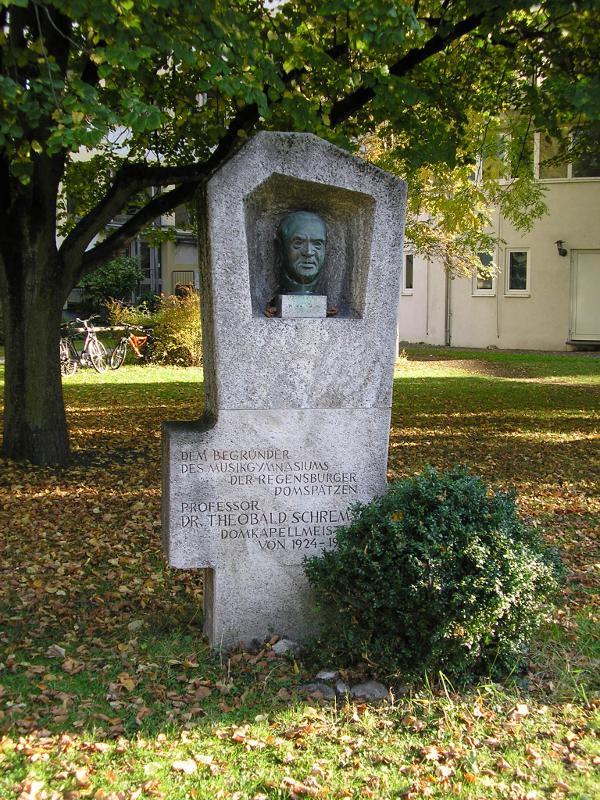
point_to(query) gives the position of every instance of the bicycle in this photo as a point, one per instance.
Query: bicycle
(138, 344)
(68, 364)
(93, 354)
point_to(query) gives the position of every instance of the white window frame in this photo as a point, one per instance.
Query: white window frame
(477, 292)
(508, 292)
(408, 290)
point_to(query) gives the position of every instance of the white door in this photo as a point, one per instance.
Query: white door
(585, 295)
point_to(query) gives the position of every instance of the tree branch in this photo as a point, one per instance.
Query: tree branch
(348, 106)
(55, 33)
(132, 178)
(160, 204)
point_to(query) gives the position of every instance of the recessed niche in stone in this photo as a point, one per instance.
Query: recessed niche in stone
(349, 216)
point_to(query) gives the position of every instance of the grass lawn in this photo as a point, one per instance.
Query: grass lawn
(107, 690)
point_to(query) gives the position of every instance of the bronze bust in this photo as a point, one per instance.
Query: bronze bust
(301, 240)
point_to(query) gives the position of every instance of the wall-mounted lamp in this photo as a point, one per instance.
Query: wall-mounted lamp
(562, 251)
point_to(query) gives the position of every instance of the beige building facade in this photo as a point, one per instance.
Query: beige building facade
(171, 262)
(546, 292)
(165, 261)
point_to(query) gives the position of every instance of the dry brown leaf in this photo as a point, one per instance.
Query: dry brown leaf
(55, 651)
(298, 789)
(502, 764)
(127, 681)
(71, 666)
(431, 753)
(32, 790)
(82, 777)
(188, 766)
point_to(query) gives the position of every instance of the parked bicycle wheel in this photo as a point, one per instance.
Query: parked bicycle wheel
(98, 355)
(149, 355)
(68, 365)
(117, 357)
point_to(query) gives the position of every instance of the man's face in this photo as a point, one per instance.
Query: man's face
(304, 247)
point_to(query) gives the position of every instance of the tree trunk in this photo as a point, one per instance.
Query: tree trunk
(34, 288)
(35, 426)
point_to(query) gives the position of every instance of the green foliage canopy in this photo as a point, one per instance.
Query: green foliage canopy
(162, 92)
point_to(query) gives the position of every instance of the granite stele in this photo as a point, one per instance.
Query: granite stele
(298, 377)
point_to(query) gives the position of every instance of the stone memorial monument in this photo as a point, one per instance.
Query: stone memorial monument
(301, 253)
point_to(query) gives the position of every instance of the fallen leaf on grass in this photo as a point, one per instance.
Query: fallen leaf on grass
(127, 681)
(72, 667)
(100, 747)
(444, 771)
(239, 734)
(188, 766)
(298, 789)
(413, 723)
(533, 755)
(431, 753)
(142, 714)
(55, 651)
(318, 768)
(82, 777)
(518, 712)
(31, 790)
(206, 761)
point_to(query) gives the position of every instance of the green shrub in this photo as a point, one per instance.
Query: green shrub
(437, 574)
(176, 324)
(121, 314)
(178, 330)
(115, 279)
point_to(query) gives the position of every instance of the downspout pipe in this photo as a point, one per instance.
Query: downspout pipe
(448, 304)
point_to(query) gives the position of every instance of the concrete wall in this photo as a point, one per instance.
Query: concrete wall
(422, 315)
(540, 319)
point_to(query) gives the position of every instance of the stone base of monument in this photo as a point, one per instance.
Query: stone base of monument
(296, 306)
(252, 495)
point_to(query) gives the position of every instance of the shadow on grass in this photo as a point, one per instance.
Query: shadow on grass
(510, 431)
(82, 569)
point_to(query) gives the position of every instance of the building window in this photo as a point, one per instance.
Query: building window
(182, 217)
(517, 273)
(407, 281)
(585, 157)
(484, 282)
(548, 165)
(506, 155)
(184, 278)
(586, 163)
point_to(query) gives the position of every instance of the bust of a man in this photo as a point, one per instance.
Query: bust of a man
(301, 240)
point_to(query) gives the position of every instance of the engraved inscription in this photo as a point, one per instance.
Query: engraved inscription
(277, 474)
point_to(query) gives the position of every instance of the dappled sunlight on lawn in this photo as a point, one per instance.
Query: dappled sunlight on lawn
(105, 671)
